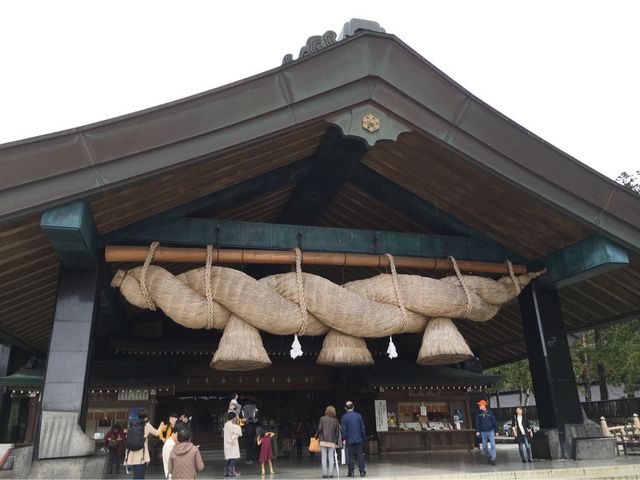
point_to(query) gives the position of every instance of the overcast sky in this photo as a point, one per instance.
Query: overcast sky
(568, 71)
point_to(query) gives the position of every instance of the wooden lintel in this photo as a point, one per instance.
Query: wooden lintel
(116, 253)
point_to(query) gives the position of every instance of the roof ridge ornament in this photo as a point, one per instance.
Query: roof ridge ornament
(314, 43)
(318, 42)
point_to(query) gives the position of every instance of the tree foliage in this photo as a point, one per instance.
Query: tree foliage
(514, 376)
(616, 349)
(631, 181)
(618, 352)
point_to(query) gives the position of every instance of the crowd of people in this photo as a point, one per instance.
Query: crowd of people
(182, 459)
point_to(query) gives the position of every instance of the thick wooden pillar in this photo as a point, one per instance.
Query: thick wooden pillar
(5, 399)
(63, 400)
(552, 373)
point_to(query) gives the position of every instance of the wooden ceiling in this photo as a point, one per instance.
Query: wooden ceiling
(513, 217)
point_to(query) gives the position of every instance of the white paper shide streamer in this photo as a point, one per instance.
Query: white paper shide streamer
(391, 349)
(296, 348)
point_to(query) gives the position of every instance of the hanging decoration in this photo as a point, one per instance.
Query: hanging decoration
(303, 304)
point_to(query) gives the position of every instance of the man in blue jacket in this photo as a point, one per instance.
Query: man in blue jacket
(487, 429)
(353, 436)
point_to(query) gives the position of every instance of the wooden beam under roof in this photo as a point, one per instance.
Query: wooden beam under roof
(234, 234)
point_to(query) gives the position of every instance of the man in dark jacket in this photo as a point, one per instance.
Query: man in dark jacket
(487, 429)
(353, 436)
(249, 435)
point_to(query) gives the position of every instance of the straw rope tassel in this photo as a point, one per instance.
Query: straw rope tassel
(296, 347)
(391, 349)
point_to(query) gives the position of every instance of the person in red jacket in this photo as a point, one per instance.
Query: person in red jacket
(114, 439)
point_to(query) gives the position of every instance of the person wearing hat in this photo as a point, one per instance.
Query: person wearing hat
(487, 430)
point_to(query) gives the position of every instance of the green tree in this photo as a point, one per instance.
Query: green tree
(514, 376)
(631, 181)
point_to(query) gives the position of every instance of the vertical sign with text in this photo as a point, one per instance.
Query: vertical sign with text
(381, 416)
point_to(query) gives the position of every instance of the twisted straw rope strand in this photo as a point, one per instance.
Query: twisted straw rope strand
(396, 288)
(301, 300)
(143, 275)
(464, 287)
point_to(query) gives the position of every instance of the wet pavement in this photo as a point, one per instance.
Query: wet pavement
(429, 465)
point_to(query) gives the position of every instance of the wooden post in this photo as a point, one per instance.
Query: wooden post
(221, 256)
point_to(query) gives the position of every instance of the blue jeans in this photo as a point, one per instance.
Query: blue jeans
(355, 452)
(139, 471)
(327, 460)
(524, 447)
(491, 438)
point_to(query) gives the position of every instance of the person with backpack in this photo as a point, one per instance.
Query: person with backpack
(136, 443)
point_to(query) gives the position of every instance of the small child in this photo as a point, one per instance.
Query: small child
(266, 452)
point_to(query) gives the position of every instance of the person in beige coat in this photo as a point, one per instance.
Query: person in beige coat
(232, 432)
(138, 459)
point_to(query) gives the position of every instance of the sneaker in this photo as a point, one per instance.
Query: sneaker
(492, 462)
(524, 461)
(530, 461)
(363, 474)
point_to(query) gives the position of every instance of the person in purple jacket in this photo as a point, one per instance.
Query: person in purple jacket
(353, 436)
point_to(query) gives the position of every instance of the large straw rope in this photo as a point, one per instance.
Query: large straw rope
(364, 308)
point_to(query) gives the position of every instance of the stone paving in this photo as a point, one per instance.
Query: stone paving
(431, 465)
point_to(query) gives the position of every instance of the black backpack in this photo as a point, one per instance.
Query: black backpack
(135, 436)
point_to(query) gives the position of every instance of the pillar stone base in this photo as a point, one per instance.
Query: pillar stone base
(61, 436)
(545, 444)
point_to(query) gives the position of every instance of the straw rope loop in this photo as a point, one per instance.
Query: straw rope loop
(514, 279)
(301, 300)
(143, 275)
(464, 287)
(207, 287)
(396, 289)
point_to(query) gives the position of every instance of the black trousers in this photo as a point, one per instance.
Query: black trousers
(299, 447)
(355, 452)
(114, 461)
(252, 450)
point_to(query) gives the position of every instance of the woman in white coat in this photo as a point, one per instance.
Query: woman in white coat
(232, 432)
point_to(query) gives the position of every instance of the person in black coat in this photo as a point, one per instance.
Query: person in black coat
(521, 429)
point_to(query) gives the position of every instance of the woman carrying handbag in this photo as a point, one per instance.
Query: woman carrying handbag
(328, 438)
